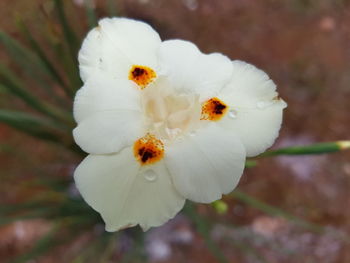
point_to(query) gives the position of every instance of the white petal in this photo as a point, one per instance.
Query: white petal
(206, 165)
(117, 44)
(102, 93)
(248, 85)
(257, 110)
(190, 70)
(116, 187)
(109, 131)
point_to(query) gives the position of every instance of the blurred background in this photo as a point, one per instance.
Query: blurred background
(286, 208)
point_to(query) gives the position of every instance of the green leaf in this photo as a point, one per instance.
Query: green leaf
(274, 211)
(98, 250)
(35, 126)
(11, 219)
(203, 228)
(15, 86)
(3, 89)
(90, 13)
(71, 38)
(62, 53)
(41, 128)
(43, 58)
(41, 247)
(72, 42)
(111, 7)
(23, 56)
(317, 148)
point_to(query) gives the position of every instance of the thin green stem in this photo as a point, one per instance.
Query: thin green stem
(274, 211)
(203, 227)
(317, 148)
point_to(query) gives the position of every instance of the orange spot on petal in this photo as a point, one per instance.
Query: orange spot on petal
(148, 149)
(142, 75)
(213, 109)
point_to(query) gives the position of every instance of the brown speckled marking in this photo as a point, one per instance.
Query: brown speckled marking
(276, 98)
(148, 149)
(142, 75)
(213, 109)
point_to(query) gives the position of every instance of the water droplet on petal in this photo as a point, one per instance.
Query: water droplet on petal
(232, 114)
(150, 175)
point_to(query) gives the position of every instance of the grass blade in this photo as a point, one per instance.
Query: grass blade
(62, 51)
(23, 56)
(111, 7)
(90, 13)
(41, 247)
(71, 38)
(73, 46)
(40, 128)
(274, 211)
(203, 228)
(14, 85)
(43, 58)
(32, 125)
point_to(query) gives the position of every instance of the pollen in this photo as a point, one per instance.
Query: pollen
(142, 75)
(213, 109)
(148, 149)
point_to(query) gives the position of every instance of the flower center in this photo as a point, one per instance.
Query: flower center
(169, 114)
(142, 75)
(148, 149)
(213, 109)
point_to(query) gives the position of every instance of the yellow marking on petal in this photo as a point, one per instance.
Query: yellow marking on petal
(142, 75)
(213, 109)
(148, 149)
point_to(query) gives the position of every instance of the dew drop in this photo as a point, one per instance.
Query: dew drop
(232, 114)
(150, 175)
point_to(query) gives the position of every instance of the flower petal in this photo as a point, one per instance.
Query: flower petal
(124, 194)
(190, 70)
(256, 109)
(109, 131)
(116, 45)
(206, 165)
(102, 93)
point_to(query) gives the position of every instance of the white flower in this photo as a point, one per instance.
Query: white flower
(164, 123)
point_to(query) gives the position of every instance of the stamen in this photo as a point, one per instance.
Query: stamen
(142, 75)
(148, 149)
(213, 109)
